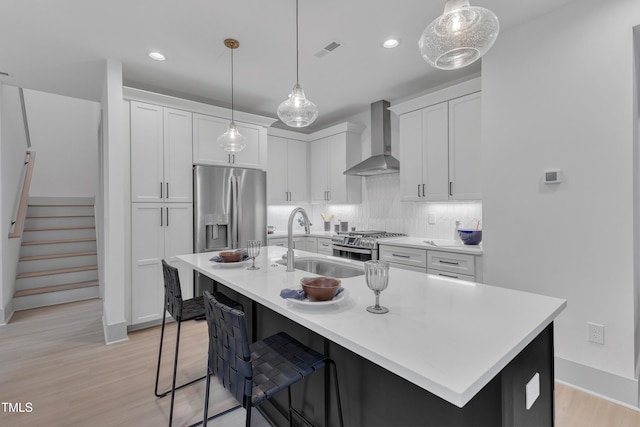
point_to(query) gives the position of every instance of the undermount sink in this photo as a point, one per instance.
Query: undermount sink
(324, 267)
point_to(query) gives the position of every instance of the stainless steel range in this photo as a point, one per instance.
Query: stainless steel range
(359, 245)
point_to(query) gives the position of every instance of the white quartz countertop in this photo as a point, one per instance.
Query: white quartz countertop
(447, 336)
(435, 245)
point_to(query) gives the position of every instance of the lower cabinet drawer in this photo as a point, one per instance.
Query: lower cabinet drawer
(451, 275)
(405, 256)
(407, 267)
(451, 262)
(325, 246)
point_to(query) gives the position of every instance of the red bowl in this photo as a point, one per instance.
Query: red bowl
(320, 288)
(233, 256)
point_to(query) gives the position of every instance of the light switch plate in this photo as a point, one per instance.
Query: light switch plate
(431, 218)
(532, 390)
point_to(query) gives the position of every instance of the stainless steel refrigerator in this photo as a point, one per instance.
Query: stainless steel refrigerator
(229, 208)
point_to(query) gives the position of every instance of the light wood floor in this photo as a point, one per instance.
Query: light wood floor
(55, 358)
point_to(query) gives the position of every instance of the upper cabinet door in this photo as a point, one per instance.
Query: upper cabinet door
(297, 171)
(465, 142)
(254, 153)
(411, 155)
(337, 164)
(435, 152)
(206, 130)
(319, 169)
(277, 190)
(147, 180)
(177, 156)
(207, 151)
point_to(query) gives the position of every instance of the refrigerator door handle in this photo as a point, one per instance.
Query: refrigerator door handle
(236, 213)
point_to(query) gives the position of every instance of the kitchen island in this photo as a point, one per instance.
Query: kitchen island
(448, 353)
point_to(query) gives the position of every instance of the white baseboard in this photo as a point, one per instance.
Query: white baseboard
(6, 313)
(612, 387)
(115, 332)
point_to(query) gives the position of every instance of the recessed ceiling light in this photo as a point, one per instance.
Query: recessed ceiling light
(156, 56)
(390, 44)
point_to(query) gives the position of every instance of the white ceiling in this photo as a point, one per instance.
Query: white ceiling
(59, 47)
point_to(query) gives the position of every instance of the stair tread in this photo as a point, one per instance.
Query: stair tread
(47, 242)
(56, 271)
(59, 205)
(56, 288)
(73, 227)
(52, 256)
(61, 216)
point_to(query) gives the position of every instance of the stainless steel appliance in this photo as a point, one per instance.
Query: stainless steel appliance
(229, 208)
(360, 245)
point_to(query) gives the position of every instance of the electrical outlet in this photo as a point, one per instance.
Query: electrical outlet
(595, 333)
(431, 218)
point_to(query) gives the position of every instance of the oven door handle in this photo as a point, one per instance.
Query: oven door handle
(351, 249)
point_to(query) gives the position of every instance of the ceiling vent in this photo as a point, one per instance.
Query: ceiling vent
(328, 49)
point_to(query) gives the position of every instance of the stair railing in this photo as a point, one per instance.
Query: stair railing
(17, 224)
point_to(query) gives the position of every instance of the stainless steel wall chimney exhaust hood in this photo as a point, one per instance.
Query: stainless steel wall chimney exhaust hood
(381, 161)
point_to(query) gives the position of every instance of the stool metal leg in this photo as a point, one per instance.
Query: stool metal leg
(175, 371)
(159, 359)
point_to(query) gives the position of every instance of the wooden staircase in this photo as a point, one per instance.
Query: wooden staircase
(58, 257)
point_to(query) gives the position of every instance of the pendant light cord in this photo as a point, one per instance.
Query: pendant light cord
(232, 84)
(297, 48)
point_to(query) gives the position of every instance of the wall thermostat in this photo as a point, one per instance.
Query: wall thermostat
(553, 176)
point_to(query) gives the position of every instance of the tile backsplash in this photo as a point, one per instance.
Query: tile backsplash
(381, 209)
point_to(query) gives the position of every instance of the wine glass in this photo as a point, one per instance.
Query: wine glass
(253, 250)
(377, 275)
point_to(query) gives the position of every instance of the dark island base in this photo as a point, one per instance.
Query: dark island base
(373, 396)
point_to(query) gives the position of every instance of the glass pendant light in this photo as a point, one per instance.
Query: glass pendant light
(232, 139)
(459, 37)
(297, 111)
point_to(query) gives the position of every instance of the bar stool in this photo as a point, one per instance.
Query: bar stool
(255, 372)
(181, 311)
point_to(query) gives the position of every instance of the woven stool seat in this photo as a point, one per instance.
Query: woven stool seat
(279, 361)
(255, 372)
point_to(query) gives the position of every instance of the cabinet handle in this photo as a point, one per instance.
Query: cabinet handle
(167, 217)
(161, 223)
(453, 276)
(161, 190)
(451, 188)
(401, 256)
(418, 190)
(167, 196)
(423, 195)
(328, 195)
(449, 262)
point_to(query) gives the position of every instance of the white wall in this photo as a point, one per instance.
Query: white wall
(558, 93)
(64, 133)
(13, 147)
(114, 203)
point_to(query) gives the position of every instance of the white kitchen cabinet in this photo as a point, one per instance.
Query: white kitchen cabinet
(424, 154)
(330, 156)
(454, 265)
(325, 246)
(311, 244)
(299, 242)
(158, 231)
(287, 171)
(404, 257)
(207, 151)
(160, 154)
(465, 147)
(440, 148)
